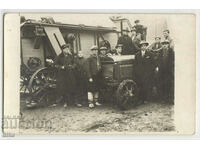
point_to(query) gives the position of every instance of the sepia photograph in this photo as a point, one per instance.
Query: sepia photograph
(102, 73)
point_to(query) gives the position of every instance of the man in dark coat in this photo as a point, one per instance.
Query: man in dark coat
(166, 70)
(144, 68)
(156, 48)
(126, 41)
(81, 79)
(94, 75)
(66, 82)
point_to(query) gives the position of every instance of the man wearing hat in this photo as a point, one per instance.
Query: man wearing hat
(144, 68)
(119, 49)
(66, 82)
(81, 78)
(93, 74)
(126, 41)
(167, 37)
(103, 51)
(156, 46)
(167, 72)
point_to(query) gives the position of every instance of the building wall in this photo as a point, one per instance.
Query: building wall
(87, 40)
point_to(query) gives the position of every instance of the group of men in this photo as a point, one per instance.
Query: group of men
(78, 77)
(153, 70)
(154, 64)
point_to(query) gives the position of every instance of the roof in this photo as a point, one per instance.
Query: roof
(71, 26)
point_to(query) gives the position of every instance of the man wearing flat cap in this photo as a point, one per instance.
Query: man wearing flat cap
(94, 76)
(143, 72)
(126, 41)
(156, 46)
(166, 69)
(103, 51)
(119, 49)
(166, 34)
(66, 82)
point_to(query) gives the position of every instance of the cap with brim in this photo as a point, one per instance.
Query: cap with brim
(65, 46)
(144, 42)
(165, 42)
(157, 37)
(136, 21)
(94, 47)
(119, 45)
(103, 48)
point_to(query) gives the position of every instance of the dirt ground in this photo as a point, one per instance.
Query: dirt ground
(150, 117)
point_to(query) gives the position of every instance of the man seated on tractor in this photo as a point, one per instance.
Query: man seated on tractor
(117, 51)
(94, 76)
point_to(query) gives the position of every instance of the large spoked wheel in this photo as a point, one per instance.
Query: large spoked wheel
(127, 93)
(42, 85)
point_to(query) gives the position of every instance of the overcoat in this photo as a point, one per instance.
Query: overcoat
(65, 79)
(143, 73)
(94, 72)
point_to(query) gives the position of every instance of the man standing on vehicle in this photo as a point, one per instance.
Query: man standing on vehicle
(94, 76)
(135, 41)
(140, 30)
(143, 72)
(126, 41)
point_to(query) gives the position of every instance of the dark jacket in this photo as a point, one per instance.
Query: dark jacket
(144, 66)
(80, 74)
(171, 42)
(136, 44)
(66, 81)
(167, 61)
(93, 66)
(126, 41)
(139, 29)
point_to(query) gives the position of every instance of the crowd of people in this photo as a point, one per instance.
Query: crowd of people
(79, 77)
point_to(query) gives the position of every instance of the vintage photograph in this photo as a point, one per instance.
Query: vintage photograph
(97, 73)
